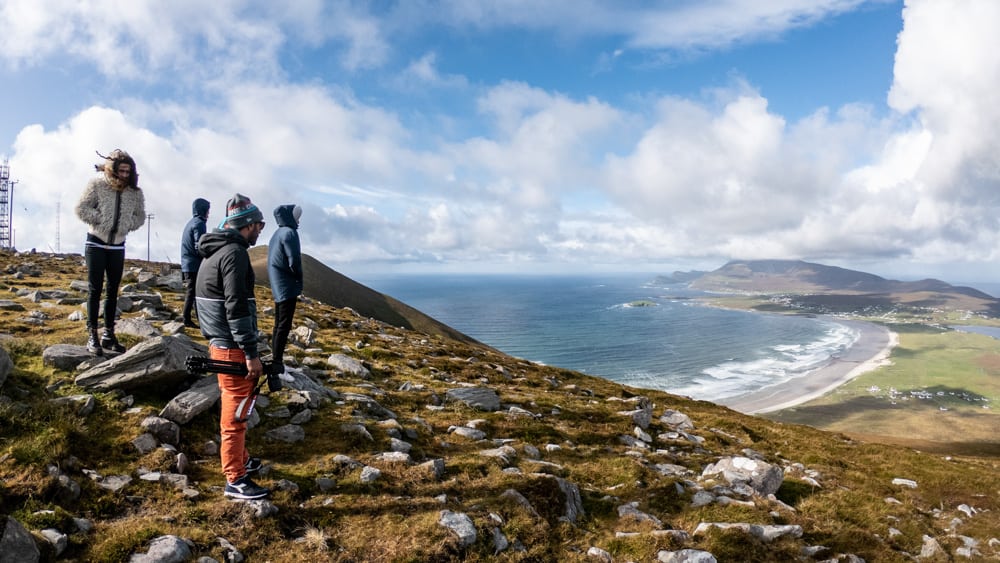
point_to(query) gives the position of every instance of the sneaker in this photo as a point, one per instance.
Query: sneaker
(93, 346)
(244, 488)
(253, 465)
(109, 342)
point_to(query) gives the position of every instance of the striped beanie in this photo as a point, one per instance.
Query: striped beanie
(240, 212)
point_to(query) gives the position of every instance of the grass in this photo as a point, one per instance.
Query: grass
(396, 517)
(942, 386)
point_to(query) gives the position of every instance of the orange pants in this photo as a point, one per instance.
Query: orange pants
(236, 391)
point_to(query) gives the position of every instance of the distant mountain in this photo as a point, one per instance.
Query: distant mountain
(335, 289)
(806, 278)
(679, 277)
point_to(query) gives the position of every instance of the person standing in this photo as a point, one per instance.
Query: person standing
(227, 313)
(190, 258)
(112, 205)
(284, 270)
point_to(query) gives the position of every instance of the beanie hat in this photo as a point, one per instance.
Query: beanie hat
(240, 212)
(296, 213)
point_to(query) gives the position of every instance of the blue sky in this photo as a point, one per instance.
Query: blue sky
(515, 135)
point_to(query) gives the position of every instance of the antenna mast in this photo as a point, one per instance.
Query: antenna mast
(6, 206)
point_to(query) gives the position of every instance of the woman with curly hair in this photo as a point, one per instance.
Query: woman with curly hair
(112, 206)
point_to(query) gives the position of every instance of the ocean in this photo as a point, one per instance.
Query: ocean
(625, 328)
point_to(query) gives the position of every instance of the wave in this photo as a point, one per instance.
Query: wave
(777, 364)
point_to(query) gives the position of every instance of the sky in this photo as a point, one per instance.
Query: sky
(559, 136)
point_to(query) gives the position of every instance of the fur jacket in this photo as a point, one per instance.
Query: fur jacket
(108, 218)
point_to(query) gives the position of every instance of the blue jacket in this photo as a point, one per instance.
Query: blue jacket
(190, 258)
(284, 256)
(227, 310)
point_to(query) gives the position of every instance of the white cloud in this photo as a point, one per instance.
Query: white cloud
(548, 176)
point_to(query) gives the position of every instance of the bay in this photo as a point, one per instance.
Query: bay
(626, 328)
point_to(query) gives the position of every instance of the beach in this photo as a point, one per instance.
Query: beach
(871, 350)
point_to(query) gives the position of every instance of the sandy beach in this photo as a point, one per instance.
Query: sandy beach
(871, 350)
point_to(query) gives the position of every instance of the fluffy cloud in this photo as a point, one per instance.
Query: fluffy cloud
(532, 175)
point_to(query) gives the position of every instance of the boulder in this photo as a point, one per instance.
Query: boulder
(158, 361)
(482, 398)
(65, 357)
(16, 543)
(196, 400)
(6, 366)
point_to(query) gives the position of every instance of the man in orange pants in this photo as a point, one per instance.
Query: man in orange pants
(227, 313)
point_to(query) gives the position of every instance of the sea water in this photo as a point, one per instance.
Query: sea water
(625, 328)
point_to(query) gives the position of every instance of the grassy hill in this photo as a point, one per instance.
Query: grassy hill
(556, 430)
(830, 288)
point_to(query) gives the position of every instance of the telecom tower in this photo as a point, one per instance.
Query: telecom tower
(6, 207)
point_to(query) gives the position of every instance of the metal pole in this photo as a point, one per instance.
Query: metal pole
(149, 227)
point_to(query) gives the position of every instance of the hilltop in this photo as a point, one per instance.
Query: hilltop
(401, 444)
(830, 288)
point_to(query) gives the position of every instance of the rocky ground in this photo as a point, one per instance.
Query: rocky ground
(387, 444)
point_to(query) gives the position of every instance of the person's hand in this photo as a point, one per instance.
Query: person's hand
(254, 368)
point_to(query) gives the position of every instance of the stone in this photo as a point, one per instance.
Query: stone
(288, 433)
(348, 366)
(190, 403)
(16, 543)
(65, 357)
(460, 524)
(482, 398)
(158, 361)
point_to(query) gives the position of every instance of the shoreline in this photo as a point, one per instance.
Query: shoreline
(871, 350)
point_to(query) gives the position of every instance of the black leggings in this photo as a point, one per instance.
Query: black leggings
(189, 279)
(103, 262)
(283, 313)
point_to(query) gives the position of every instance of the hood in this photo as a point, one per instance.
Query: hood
(284, 216)
(212, 242)
(200, 208)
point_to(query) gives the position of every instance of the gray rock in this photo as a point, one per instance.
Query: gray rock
(348, 366)
(145, 443)
(631, 511)
(686, 556)
(676, 420)
(763, 477)
(16, 543)
(65, 356)
(368, 406)
(370, 474)
(466, 432)
(302, 417)
(196, 400)
(482, 398)
(59, 540)
(114, 483)
(8, 305)
(6, 366)
(434, 467)
(165, 549)
(84, 404)
(765, 533)
(136, 327)
(164, 430)
(288, 433)
(157, 361)
(460, 524)
(142, 300)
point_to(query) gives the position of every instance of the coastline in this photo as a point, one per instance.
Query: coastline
(871, 350)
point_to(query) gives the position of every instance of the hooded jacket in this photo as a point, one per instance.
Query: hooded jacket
(190, 258)
(111, 213)
(284, 256)
(224, 292)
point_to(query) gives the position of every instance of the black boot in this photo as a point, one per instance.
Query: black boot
(109, 341)
(93, 344)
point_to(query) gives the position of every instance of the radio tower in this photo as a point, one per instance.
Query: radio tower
(6, 206)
